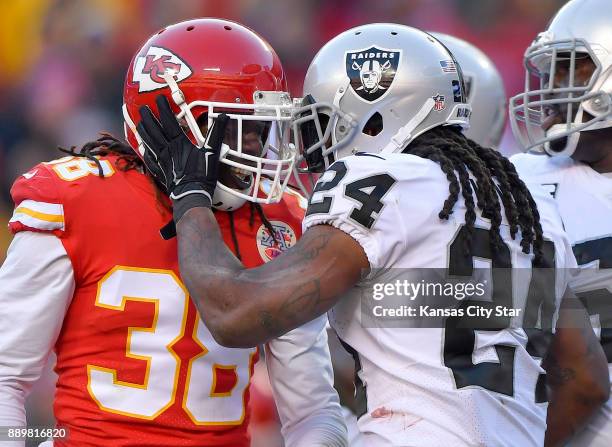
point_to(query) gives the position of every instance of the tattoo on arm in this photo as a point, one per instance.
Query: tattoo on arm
(305, 299)
(557, 376)
(201, 242)
(301, 284)
(308, 298)
(303, 252)
(268, 322)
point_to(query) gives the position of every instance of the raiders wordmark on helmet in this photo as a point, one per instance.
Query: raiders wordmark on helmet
(372, 71)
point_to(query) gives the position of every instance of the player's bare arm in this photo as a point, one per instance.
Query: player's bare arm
(283, 294)
(294, 288)
(576, 371)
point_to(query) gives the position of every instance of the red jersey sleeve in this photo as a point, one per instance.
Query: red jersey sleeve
(42, 194)
(38, 205)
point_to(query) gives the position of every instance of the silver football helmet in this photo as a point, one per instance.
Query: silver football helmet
(484, 90)
(579, 31)
(375, 88)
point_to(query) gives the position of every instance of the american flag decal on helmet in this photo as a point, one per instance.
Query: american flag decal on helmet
(448, 66)
(439, 102)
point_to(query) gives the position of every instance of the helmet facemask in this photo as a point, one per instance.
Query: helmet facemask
(244, 162)
(325, 133)
(562, 96)
(320, 129)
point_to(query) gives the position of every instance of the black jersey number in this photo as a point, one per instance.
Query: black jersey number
(460, 334)
(367, 192)
(323, 206)
(599, 301)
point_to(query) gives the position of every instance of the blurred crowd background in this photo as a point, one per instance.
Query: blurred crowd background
(63, 62)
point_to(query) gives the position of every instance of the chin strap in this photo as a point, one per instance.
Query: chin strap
(179, 99)
(568, 150)
(600, 121)
(337, 97)
(341, 91)
(404, 134)
(572, 139)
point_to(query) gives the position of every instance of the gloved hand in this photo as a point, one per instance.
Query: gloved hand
(188, 174)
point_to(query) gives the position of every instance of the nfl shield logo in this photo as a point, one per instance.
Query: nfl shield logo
(439, 103)
(371, 71)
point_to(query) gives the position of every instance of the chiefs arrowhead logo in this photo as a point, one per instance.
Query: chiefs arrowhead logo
(149, 68)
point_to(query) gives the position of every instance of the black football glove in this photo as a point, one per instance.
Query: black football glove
(187, 173)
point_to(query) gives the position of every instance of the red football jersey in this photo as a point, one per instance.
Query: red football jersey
(136, 365)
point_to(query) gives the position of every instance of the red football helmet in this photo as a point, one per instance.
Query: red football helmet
(210, 66)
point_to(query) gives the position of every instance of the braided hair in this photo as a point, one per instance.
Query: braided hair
(254, 208)
(107, 145)
(495, 183)
(127, 160)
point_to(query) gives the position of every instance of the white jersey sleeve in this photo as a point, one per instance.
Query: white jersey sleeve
(301, 376)
(36, 286)
(358, 195)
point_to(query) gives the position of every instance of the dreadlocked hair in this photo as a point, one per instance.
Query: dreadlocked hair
(495, 183)
(126, 160)
(254, 208)
(106, 145)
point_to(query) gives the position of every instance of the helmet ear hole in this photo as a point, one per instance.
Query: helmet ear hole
(374, 125)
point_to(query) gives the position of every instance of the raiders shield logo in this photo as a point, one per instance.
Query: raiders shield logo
(372, 71)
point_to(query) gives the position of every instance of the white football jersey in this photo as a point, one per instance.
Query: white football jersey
(584, 199)
(433, 386)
